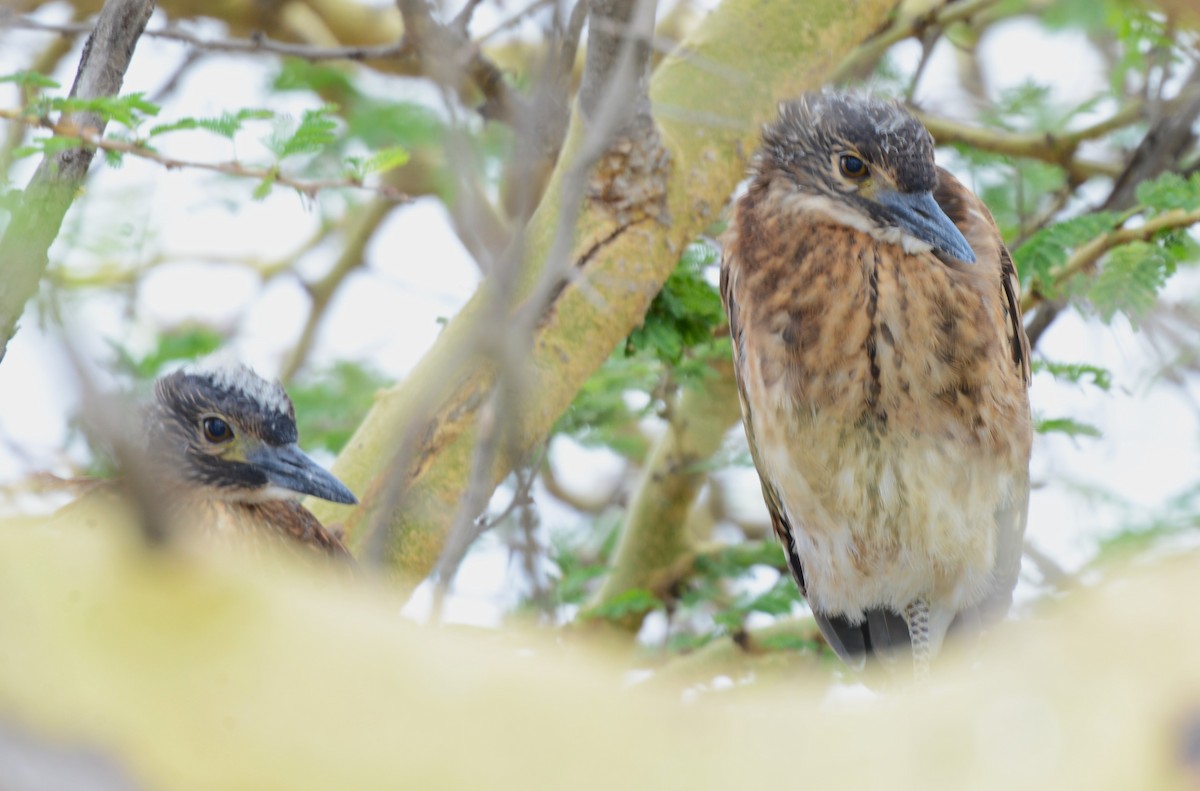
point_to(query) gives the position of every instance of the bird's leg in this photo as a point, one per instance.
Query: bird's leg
(916, 615)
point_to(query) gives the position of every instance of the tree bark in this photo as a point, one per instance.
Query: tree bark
(36, 222)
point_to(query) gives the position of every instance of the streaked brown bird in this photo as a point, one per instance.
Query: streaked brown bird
(222, 441)
(883, 371)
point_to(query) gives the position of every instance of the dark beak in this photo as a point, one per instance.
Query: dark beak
(289, 468)
(919, 214)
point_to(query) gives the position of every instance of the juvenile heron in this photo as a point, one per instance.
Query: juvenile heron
(883, 371)
(223, 442)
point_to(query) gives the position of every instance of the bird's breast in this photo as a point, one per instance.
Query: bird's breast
(869, 335)
(886, 410)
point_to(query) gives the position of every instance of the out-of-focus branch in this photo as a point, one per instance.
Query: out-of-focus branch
(447, 55)
(45, 63)
(620, 64)
(747, 650)
(587, 503)
(1055, 149)
(1084, 258)
(863, 59)
(35, 223)
(257, 44)
(654, 534)
(1168, 140)
(320, 292)
(93, 140)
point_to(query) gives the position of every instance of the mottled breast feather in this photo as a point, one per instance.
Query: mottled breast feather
(884, 397)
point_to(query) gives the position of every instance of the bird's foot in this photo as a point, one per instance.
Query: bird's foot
(916, 615)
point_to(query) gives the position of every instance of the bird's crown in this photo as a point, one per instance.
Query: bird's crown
(811, 129)
(222, 429)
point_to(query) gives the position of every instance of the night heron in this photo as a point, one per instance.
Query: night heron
(221, 442)
(883, 372)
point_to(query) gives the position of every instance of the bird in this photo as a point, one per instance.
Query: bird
(221, 444)
(883, 372)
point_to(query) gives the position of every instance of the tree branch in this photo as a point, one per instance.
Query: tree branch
(654, 534)
(258, 44)
(36, 222)
(94, 140)
(1055, 149)
(864, 58)
(1084, 258)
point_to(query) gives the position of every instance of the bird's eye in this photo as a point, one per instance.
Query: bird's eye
(852, 167)
(217, 430)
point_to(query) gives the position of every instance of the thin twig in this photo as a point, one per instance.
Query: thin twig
(864, 58)
(1046, 147)
(321, 292)
(514, 20)
(254, 44)
(1085, 257)
(91, 139)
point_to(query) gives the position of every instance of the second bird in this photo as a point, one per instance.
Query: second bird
(222, 441)
(883, 371)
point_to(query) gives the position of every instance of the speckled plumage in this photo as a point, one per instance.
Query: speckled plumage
(243, 488)
(883, 380)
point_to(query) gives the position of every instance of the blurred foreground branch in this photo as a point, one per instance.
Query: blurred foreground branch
(201, 672)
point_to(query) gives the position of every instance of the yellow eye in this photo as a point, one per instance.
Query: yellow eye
(216, 430)
(853, 168)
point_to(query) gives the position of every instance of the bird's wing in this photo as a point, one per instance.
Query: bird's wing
(976, 224)
(850, 641)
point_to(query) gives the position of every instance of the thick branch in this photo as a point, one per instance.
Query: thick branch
(36, 222)
(654, 535)
(709, 99)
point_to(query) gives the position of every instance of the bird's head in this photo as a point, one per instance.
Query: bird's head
(224, 430)
(863, 162)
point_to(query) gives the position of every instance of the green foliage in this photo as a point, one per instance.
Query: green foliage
(635, 601)
(1178, 518)
(316, 130)
(319, 133)
(1130, 280)
(381, 162)
(685, 312)
(183, 343)
(130, 110)
(1076, 373)
(29, 80)
(331, 403)
(1043, 255)
(225, 125)
(1065, 425)
(47, 146)
(581, 558)
(1170, 191)
(602, 414)
(680, 336)
(707, 610)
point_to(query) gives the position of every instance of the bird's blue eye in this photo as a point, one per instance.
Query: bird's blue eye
(217, 430)
(852, 167)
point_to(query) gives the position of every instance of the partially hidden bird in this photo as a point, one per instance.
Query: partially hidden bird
(221, 443)
(883, 371)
